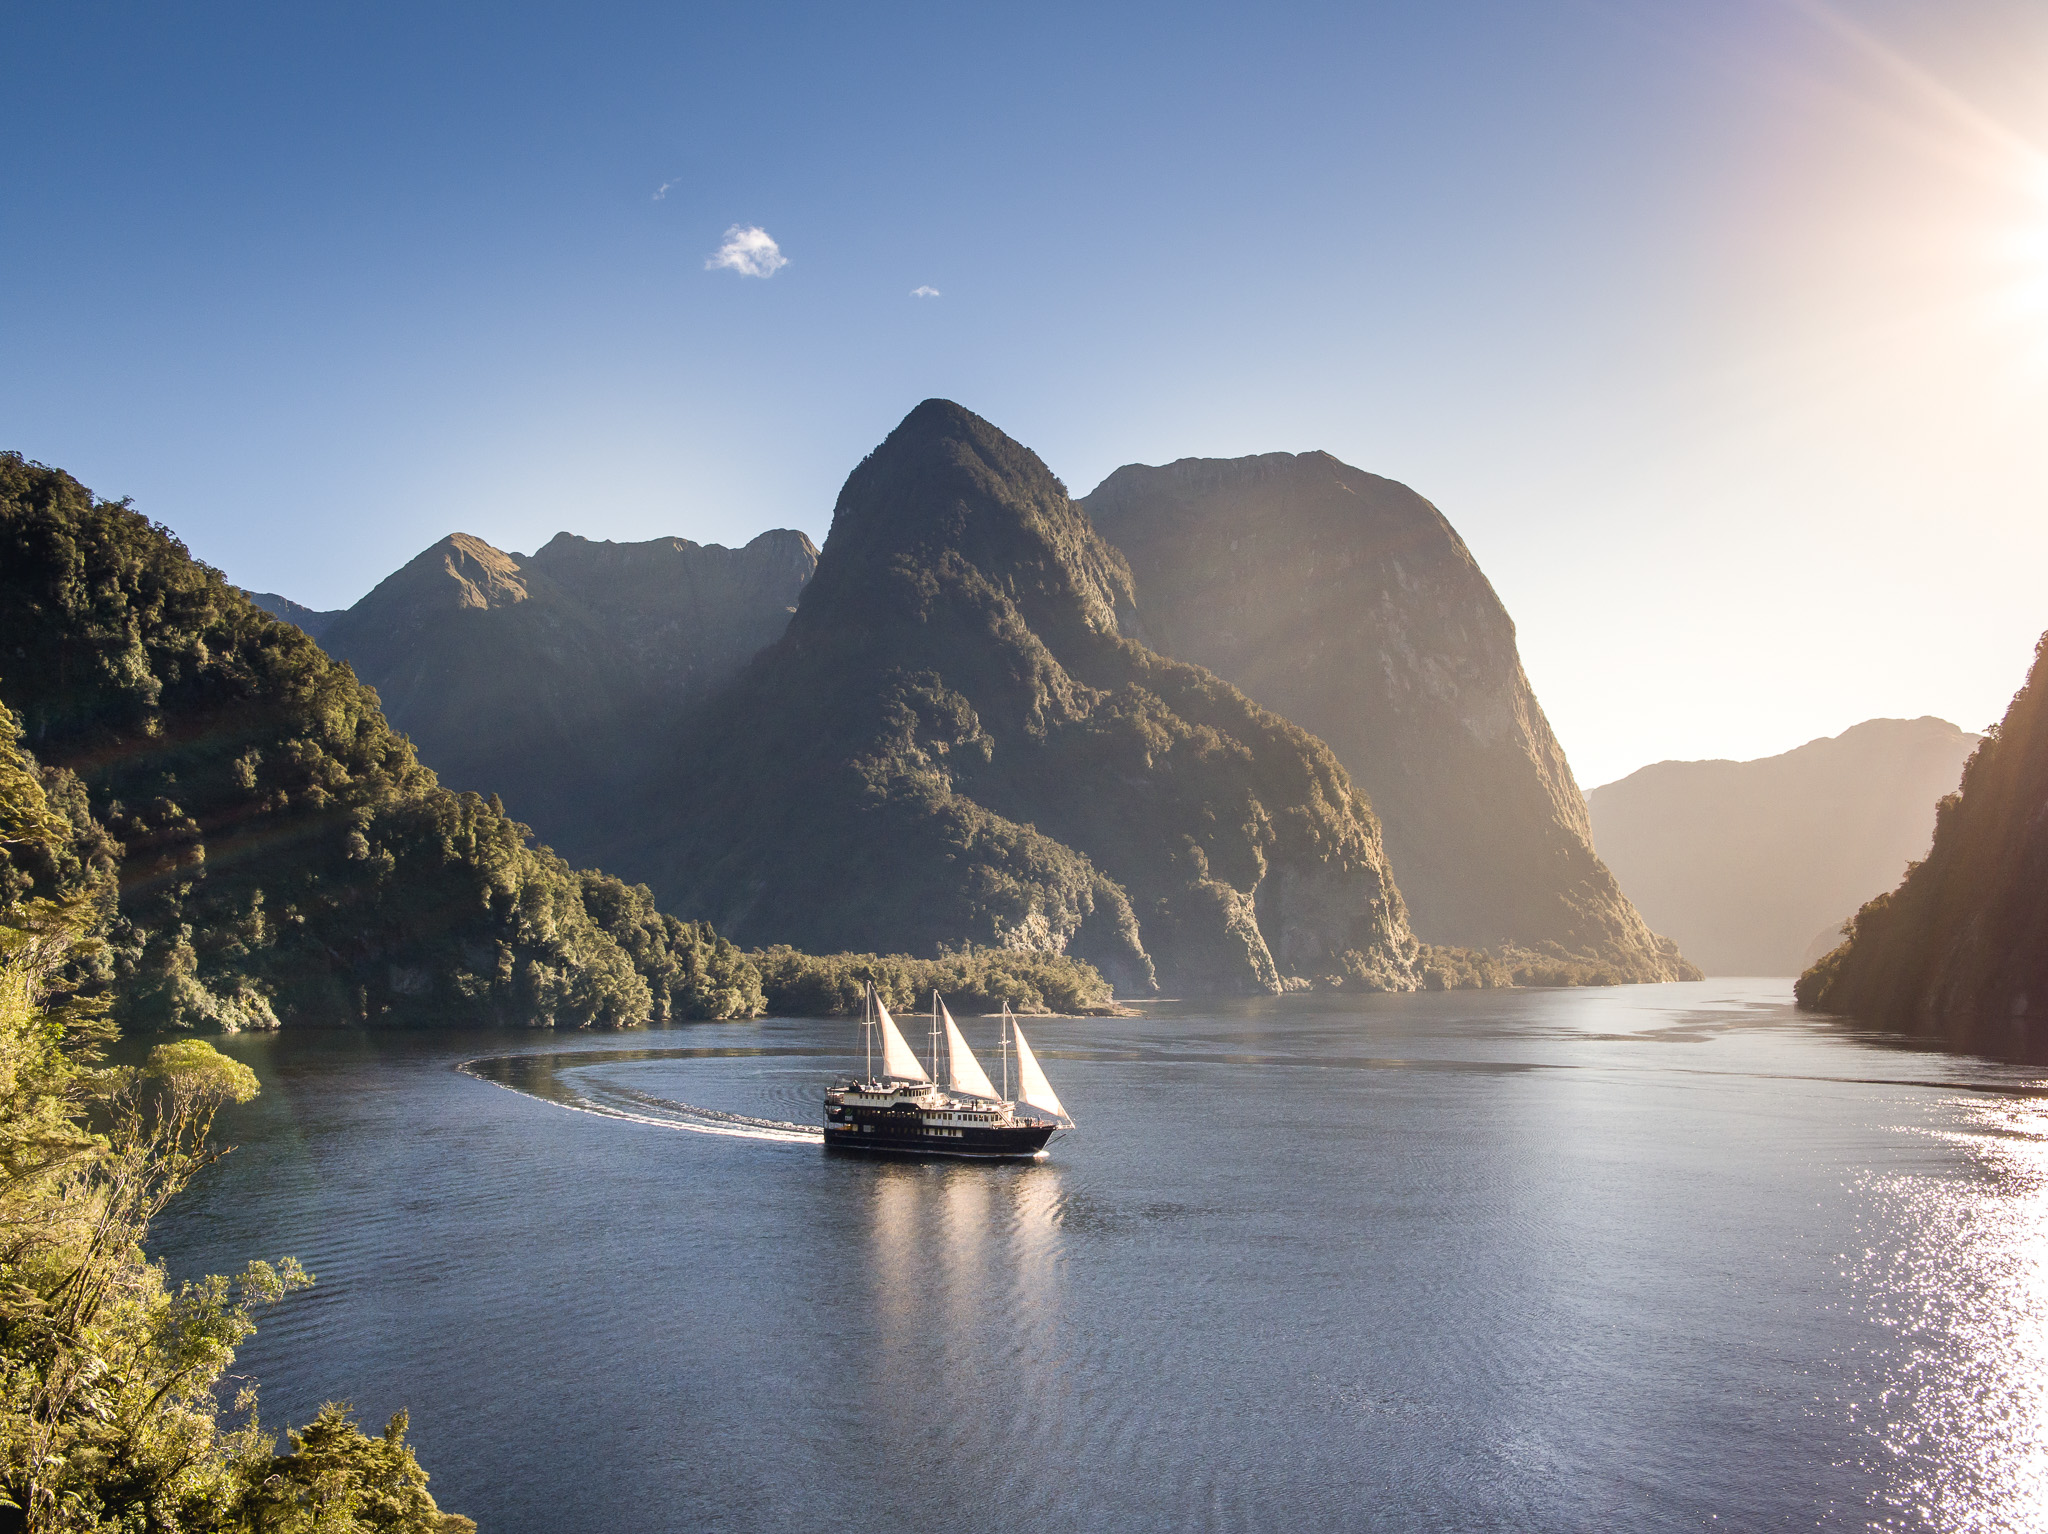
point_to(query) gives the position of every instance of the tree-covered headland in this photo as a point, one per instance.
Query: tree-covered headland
(1959, 951)
(277, 851)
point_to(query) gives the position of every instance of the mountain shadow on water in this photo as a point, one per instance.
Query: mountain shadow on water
(1959, 951)
(955, 742)
(1347, 603)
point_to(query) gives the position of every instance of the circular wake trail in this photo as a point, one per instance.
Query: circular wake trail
(545, 1078)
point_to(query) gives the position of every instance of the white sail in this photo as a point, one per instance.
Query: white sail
(1032, 1087)
(963, 1071)
(898, 1058)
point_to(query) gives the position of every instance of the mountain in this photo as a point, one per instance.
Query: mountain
(1959, 950)
(956, 742)
(541, 678)
(1348, 604)
(280, 854)
(309, 620)
(1745, 862)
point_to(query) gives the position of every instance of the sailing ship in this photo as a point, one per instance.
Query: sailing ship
(905, 1111)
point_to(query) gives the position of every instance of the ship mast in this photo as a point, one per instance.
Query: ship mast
(867, 1027)
(935, 1033)
(1006, 1051)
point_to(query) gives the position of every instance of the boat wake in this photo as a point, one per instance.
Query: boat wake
(550, 1079)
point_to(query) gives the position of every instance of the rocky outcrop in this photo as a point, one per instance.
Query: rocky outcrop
(544, 678)
(1959, 951)
(956, 742)
(1744, 862)
(1348, 604)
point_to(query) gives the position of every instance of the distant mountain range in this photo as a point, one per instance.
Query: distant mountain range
(308, 620)
(1347, 603)
(586, 684)
(541, 677)
(1959, 951)
(1754, 866)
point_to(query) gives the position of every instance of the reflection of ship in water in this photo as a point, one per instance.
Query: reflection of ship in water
(905, 1111)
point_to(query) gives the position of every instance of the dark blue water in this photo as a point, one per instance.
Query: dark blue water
(1665, 1257)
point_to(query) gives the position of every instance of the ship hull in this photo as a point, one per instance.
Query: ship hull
(1009, 1142)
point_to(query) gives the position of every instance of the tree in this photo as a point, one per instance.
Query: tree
(109, 1416)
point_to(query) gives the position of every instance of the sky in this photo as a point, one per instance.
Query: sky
(1720, 332)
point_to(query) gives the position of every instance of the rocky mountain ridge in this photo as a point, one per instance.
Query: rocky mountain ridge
(538, 676)
(956, 742)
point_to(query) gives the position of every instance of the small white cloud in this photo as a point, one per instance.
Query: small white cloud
(749, 251)
(662, 190)
(924, 292)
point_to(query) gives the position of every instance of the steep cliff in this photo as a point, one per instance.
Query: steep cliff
(1742, 863)
(955, 742)
(1959, 950)
(1348, 604)
(541, 677)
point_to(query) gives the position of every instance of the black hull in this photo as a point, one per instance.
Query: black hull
(1021, 1142)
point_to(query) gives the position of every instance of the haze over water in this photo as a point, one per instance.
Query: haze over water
(1644, 1258)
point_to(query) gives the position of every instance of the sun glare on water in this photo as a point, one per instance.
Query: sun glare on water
(1963, 1417)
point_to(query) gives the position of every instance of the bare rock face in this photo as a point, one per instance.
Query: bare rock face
(1745, 862)
(956, 741)
(1959, 951)
(544, 678)
(1348, 604)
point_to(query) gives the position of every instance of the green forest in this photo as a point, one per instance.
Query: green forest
(1954, 952)
(206, 825)
(110, 1415)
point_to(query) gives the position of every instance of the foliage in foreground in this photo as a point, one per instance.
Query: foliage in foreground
(280, 853)
(109, 1417)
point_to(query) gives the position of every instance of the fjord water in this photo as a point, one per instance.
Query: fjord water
(1658, 1257)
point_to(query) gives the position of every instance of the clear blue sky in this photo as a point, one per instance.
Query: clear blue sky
(1720, 331)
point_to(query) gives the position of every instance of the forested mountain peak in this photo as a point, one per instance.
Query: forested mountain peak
(947, 487)
(955, 742)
